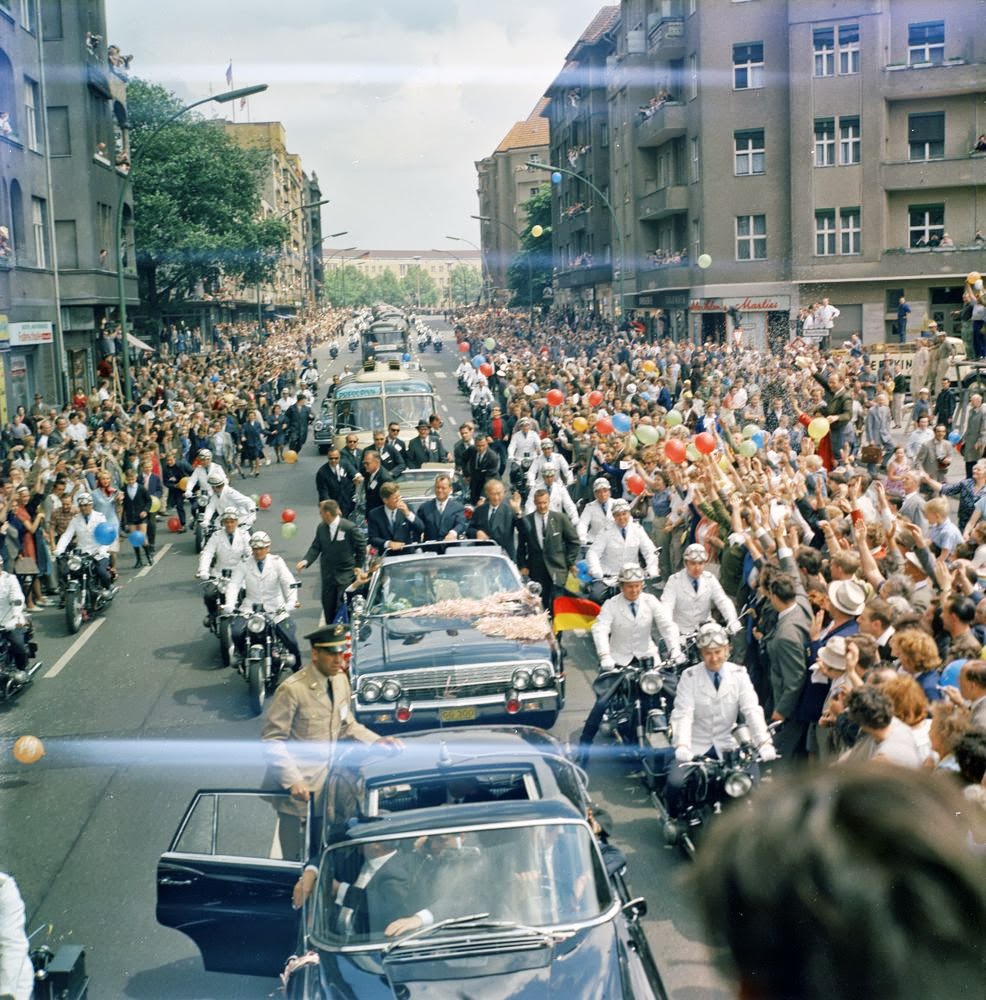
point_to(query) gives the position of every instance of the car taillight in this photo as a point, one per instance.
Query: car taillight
(403, 713)
(512, 703)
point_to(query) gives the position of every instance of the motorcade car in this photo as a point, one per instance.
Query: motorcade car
(448, 632)
(385, 340)
(418, 485)
(467, 864)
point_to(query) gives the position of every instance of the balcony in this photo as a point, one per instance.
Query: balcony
(656, 279)
(663, 202)
(954, 76)
(950, 171)
(895, 263)
(668, 122)
(666, 33)
(580, 277)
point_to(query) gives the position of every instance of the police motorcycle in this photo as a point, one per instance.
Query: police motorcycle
(437, 345)
(334, 350)
(219, 623)
(82, 593)
(634, 716)
(266, 655)
(205, 525)
(12, 678)
(353, 343)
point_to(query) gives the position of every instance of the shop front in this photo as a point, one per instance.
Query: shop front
(750, 322)
(666, 313)
(27, 362)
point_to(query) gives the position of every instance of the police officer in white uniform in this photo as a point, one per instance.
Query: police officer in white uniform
(13, 618)
(81, 529)
(200, 474)
(691, 593)
(622, 543)
(597, 515)
(559, 499)
(226, 549)
(524, 443)
(223, 496)
(549, 457)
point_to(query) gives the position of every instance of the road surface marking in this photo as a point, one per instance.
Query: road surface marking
(158, 557)
(63, 660)
(444, 407)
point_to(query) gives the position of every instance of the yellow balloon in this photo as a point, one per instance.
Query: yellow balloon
(155, 504)
(692, 453)
(290, 457)
(29, 749)
(972, 277)
(818, 428)
(649, 365)
(183, 484)
(580, 425)
(725, 464)
(537, 231)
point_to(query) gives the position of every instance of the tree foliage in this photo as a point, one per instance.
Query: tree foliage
(196, 201)
(530, 271)
(465, 284)
(418, 288)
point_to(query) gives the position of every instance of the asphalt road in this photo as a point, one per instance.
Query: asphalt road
(136, 714)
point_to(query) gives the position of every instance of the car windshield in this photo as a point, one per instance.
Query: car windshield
(420, 582)
(538, 875)
(419, 482)
(362, 414)
(407, 410)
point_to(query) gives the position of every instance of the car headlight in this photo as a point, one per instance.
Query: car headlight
(521, 679)
(370, 691)
(541, 676)
(319, 425)
(256, 624)
(737, 784)
(74, 564)
(651, 682)
(390, 691)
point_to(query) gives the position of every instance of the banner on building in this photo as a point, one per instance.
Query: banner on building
(30, 334)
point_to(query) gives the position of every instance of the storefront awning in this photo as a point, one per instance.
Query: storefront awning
(138, 343)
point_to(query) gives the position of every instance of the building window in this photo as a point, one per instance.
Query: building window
(825, 232)
(32, 123)
(748, 66)
(105, 231)
(824, 142)
(695, 168)
(750, 153)
(926, 136)
(925, 224)
(848, 49)
(850, 231)
(693, 75)
(824, 39)
(926, 43)
(27, 15)
(39, 231)
(849, 145)
(751, 237)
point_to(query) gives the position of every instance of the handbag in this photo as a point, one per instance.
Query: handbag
(25, 566)
(871, 454)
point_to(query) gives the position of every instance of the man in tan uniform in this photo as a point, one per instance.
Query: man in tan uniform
(308, 715)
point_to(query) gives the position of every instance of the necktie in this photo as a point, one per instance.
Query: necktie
(260, 565)
(633, 608)
(441, 509)
(391, 515)
(695, 585)
(716, 679)
(606, 509)
(623, 532)
(230, 537)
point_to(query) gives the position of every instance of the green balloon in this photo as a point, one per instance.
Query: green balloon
(646, 434)
(692, 453)
(747, 448)
(672, 418)
(289, 530)
(749, 430)
(489, 343)
(255, 498)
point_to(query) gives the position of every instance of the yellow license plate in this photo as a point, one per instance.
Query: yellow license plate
(465, 714)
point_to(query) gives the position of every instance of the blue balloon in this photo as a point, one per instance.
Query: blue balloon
(407, 357)
(214, 379)
(556, 177)
(955, 437)
(104, 533)
(581, 567)
(759, 440)
(478, 360)
(137, 538)
(621, 422)
(950, 673)
(646, 396)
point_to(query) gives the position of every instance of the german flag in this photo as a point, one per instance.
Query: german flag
(573, 613)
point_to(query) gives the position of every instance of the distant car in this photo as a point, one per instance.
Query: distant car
(490, 880)
(418, 485)
(412, 671)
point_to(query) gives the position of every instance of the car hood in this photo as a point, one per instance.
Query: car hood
(587, 966)
(409, 642)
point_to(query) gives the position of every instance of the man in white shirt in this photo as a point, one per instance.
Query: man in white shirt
(622, 543)
(76, 430)
(692, 592)
(524, 444)
(204, 468)
(81, 529)
(227, 548)
(224, 497)
(597, 515)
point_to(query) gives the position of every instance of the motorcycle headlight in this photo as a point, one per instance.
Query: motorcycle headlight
(651, 682)
(256, 624)
(541, 676)
(521, 679)
(737, 784)
(74, 564)
(370, 691)
(390, 691)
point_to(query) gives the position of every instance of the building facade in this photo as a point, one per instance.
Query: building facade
(439, 265)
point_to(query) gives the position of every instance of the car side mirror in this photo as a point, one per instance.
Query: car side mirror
(635, 908)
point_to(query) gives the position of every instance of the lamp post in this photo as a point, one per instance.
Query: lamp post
(316, 251)
(530, 262)
(616, 223)
(224, 98)
(417, 282)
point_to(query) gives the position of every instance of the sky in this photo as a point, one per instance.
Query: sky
(390, 102)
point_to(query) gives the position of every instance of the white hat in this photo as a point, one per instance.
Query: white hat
(620, 505)
(696, 553)
(260, 540)
(631, 573)
(833, 653)
(230, 512)
(601, 484)
(847, 596)
(84, 498)
(217, 479)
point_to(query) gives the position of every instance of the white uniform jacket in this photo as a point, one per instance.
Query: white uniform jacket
(82, 530)
(619, 634)
(703, 717)
(690, 607)
(12, 613)
(610, 552)
(594, 519)
(558, 500)
(558, 462)
(226, 554)
(523, 446)
(273, 587)
(229, 497)
(200, 477)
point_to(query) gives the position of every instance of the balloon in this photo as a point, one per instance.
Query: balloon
(621, 423)
(594, 398)
(289, 530)
(555, 397)
(647, 396)
(646, 434)
(705, 443)
(675, 451)
(631, 388)
(582, 567)
(818, 428)
(704, 261)
(137, 538)
(183, 484)
(265, 501)
(749, 430)
(214, 379)
(672, 418)
(537, 231)
(155, 504)
(604, 426)
(105, 533)
(580, 425)
(463, 346)
(489, 343)
(634, 484)
(486, 369)
(950, 673)
(759, 439)
(478, 361)
(174, 524)
(972, 277)
(407, 357)
(255, 497)
(649, 365)
(747, 448)
(28, 749)
(288, 515)
(530, 389)
(955, 437)
(556, 177)
(290, 456)
(725, 464)
(692, 452)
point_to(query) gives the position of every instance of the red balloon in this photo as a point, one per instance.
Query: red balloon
(594, 398)
(705, 443)
(674, 451)
(264, 501)
(486, 368)
(634, 484)
(463, 346)
(555, 397)
(288, 515)
(604, 426)
(174, 524)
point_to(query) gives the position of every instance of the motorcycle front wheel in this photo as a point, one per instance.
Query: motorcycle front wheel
(225, 632)
(73, 611)
(199, 537)
(256, 683)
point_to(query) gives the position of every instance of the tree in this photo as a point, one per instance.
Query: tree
(196, 202)
(464, 284)
(530, 271)
(387, 288)
(418, 288)
(348, 286)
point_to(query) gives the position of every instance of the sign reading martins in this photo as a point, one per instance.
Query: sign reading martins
(29, 334)
(767, 304)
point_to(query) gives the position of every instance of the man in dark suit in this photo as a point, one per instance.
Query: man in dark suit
(483, 463)
(392, 525)
(396, 446)
(422, 449)
(374, 475)
(351, 456)
(496, 519)
(299, 417)
(340, 549)
(548, 547)
(333, 482)
(155, 488)
(442, 519)
(390, 459)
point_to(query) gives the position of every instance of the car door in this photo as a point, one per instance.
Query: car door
(224, 883)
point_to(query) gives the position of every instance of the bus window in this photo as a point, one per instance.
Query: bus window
(363, 414)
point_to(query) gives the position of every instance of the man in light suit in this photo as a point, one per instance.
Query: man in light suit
(442, 519)
(622, 543)
(393, 525)
(973, 433)
(691, 593)
(496, 519)
(597, 515)
(877, 429)
(548, 547)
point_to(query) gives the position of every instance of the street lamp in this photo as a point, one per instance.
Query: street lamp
(224, 98)
(417, 282)
(483, 268)
(449, 265)
(616, 224)
(528, 257)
